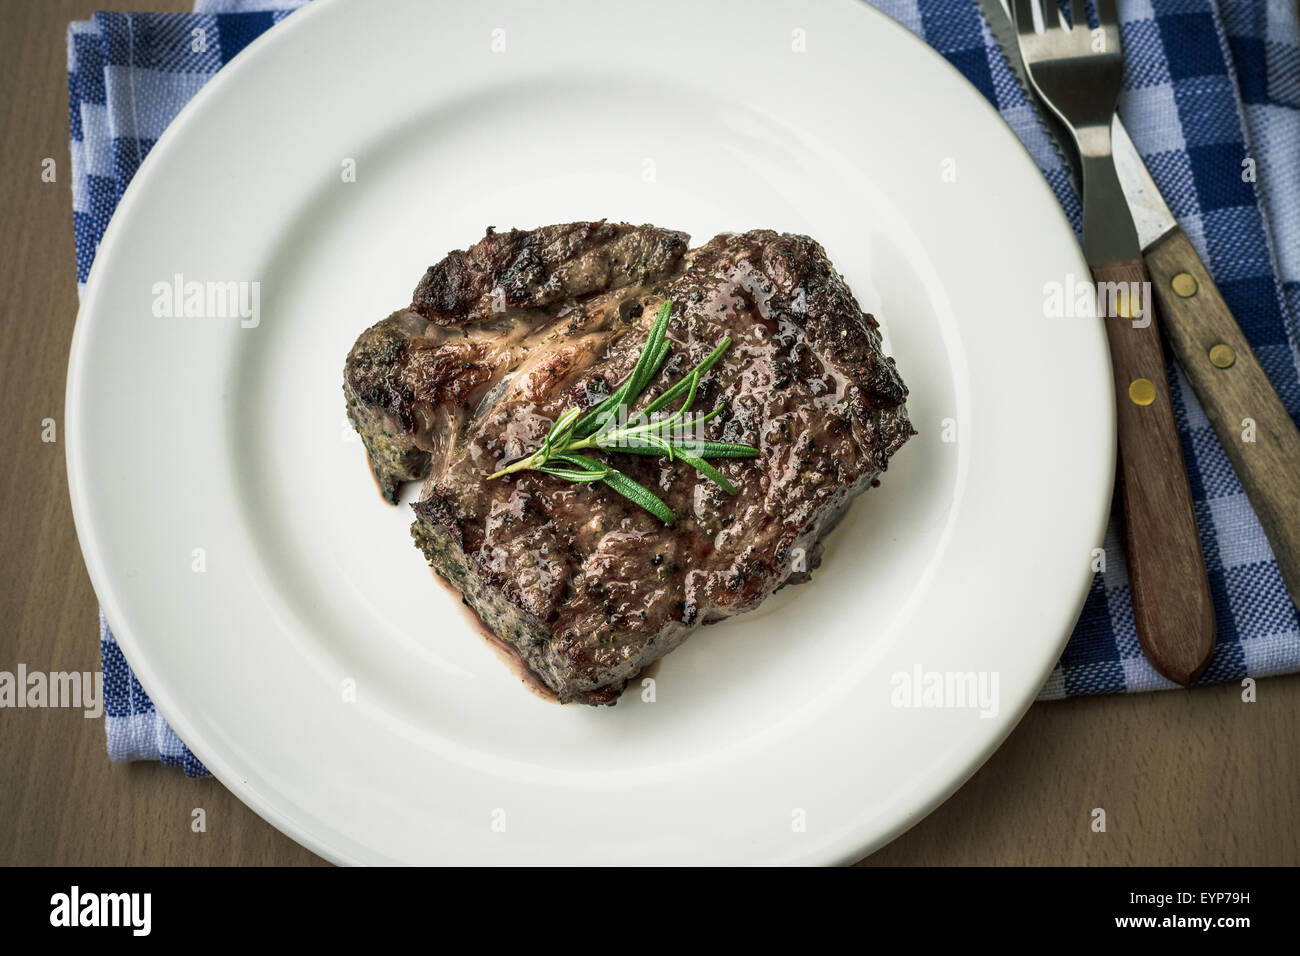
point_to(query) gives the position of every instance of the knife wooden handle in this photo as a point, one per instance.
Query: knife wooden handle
(1235, 393)
(1171, 592)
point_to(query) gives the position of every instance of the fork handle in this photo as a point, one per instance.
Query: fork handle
(1250, 420)
(1170, 590)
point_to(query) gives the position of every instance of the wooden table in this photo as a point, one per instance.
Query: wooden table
(1195, 777)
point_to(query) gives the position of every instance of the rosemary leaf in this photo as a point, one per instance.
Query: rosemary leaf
(559, 430)
(642, 446)
(574, 474)
(708, 471)
(652, 356)
(582, 461)
(625, 486)
(680, 387)
(641, 495)
(654, 352)
(648, 444)
(595, 419)
(716, 449)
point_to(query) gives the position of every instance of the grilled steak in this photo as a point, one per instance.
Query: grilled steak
(583, 585)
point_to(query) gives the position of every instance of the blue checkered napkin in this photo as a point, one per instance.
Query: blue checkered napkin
(128, 77)
(1209, 84)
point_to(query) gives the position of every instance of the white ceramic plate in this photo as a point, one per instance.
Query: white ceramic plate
(772, 738)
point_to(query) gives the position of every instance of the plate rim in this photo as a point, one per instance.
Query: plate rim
(101, 576)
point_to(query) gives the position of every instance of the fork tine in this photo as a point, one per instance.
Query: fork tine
(1108, 22)
(1024, 15)
(1078, 13)
(1051, 14)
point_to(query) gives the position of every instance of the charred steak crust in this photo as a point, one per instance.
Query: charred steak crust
(585, 586)
(544, 267)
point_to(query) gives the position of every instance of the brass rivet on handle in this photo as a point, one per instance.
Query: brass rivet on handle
(1184, 284)
(1141, 391)
(1123, 309)
(1222, 356)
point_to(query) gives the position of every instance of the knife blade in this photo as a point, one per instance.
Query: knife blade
(1254, 428)
(998, 17)
(1151, 217)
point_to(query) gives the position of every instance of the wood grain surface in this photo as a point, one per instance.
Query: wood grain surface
(1191, 777)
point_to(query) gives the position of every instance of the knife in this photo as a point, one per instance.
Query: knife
(1256, 431)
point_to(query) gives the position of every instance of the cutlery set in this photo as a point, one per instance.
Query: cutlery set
(1132, 242)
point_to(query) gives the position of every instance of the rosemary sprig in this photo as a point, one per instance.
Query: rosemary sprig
(640, 434)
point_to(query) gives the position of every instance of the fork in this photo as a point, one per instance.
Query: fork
(1077, 73)
(1080, 84)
